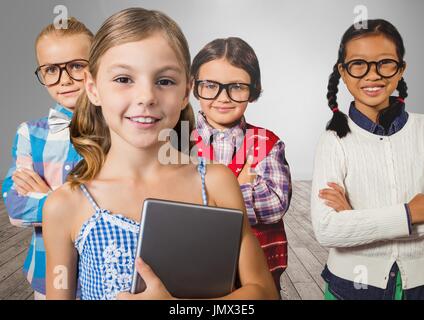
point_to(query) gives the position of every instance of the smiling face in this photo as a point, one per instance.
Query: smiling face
(223, 112)
(57, 49)
(371, 92)
(141, 87)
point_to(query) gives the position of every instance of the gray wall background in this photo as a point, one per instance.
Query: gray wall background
(296, 43)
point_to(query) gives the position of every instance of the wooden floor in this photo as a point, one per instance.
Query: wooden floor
(14, 243)
(301, 281)
(302, 278)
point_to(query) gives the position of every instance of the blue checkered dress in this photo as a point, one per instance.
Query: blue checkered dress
(107, 245)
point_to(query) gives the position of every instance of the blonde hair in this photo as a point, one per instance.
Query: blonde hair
(89, 132)
(74, 27)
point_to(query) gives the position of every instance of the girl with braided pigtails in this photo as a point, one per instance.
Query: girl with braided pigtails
(367, 201)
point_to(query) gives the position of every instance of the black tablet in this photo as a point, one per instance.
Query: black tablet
(193, 249)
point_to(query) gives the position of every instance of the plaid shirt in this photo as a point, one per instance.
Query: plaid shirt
(267, 198)
(52, 157)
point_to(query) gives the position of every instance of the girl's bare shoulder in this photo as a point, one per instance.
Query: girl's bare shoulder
(215, 173)
(62, 202)
(219, 173)
(223, 186)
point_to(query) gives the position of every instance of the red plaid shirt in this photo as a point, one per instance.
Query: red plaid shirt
(267, 198)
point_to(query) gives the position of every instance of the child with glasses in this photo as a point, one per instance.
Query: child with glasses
(226, 78)
(42, 151)
(367, 201)
(137, 87)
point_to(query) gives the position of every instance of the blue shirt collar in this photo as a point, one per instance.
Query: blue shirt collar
(365, 123)
(62, 109)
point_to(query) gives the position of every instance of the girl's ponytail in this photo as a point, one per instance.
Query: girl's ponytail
(338, 122)
(402, 88)
(187, 115)
(91, 138)
(386, 116)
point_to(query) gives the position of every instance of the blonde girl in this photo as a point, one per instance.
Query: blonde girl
(137, 86)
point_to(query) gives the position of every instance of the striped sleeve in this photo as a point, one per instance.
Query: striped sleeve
(23, 210)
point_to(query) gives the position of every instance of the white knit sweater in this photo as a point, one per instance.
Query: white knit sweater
(380, 174)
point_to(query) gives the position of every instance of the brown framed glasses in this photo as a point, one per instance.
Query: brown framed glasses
(50, 74)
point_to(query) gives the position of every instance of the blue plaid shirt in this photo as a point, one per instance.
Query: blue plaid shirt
(52, 156)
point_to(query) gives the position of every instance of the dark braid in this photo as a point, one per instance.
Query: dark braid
(333, 83)
(402, 88)
(386, 116)
(338, 122)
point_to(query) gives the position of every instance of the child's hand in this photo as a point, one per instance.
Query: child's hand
(416, 208)
(335, 197)
(155, 289)
(247, 174)
(29, 181)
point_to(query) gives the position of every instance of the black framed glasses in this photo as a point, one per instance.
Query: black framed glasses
(50, 74)
(386, 68)
(210, 90)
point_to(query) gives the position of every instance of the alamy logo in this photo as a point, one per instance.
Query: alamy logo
(361, 17)
(61, 20)
(61, 279)
(256, 146)
(361, 279)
